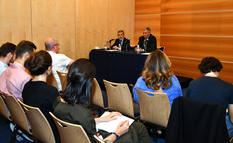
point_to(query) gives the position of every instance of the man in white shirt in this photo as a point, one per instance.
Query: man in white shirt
(7, 51)
(60, 61)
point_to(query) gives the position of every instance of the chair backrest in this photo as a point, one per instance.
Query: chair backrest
(70, 133)
(41, 129)
(119, 98)
(97, 97)
(3, 108)
(63, 80)
(17, 114)
(154, 108)
(52, 81)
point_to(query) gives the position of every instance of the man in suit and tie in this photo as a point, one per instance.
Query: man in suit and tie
(121, 43)
(147, 41)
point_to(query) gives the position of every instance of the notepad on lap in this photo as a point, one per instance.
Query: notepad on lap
(111, 126)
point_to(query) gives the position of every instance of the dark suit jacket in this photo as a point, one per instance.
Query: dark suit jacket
(193, 121)
(151, 43)
(125, 45)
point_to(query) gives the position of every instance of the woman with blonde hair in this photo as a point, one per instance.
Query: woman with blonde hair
(157, 76)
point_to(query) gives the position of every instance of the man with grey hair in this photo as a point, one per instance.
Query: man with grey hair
(60, 62)
(147, 42)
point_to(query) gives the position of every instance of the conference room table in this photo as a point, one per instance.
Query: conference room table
(121, 67)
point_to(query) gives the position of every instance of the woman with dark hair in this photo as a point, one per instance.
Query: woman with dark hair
(157, 76)
(210, 88)
(73, 107)
(37, 92)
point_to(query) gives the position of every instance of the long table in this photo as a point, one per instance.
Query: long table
(121, 67)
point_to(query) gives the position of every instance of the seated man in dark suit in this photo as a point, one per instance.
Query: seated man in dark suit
(121, 43)
(147, 41)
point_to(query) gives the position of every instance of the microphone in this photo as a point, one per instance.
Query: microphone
(111, 40)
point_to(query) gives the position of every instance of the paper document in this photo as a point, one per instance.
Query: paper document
(111, 126)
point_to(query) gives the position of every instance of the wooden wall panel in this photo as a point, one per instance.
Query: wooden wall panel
(147, 6)
(98, 21)
(15, 21)
(142, 21)
(198, 47)
(191, 30)
(121, 16)
(191, 69)
(91, 25)
(195, 5)
(213, 23)
(78, 25)
(52, 19)
(226, 73)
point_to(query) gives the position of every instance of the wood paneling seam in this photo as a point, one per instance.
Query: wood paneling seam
(195, 35)
(194, 12)
(31, 20)
(195, 59)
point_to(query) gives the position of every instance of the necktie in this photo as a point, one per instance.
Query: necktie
(145, 44)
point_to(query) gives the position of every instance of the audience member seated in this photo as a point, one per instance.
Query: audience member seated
(158, 77)
(210, 88)
(15, 76)
(36, 92)
(73, 107)
(7, 52)
(60, 61)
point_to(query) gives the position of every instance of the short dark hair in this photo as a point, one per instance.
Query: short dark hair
(121, 31)
(39, 63)
(7, 48)
(79, 82)
(209, 64)
(23, 47)
(148, 29)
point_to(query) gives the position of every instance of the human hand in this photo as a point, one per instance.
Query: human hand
(110, 117)
(115, 47)
(137, 49)
(122, 128)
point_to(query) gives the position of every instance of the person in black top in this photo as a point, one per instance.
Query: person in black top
(121, 43)
(210, 88)
(36, 92)
(147, 42)
(73, 107)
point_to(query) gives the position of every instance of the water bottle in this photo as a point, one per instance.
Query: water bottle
(119, 47)
(138, 50)
(105, 47)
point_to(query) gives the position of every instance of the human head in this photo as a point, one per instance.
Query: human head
(24, 49)
(146, 32)
(39, 63)
(7, 51)
(52, 44)
(79, 82)
(157, 71)
(210, 64)
(120, 34)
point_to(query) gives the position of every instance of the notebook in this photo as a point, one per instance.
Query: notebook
(111, 126)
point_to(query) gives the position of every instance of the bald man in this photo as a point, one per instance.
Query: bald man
(60, 62)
